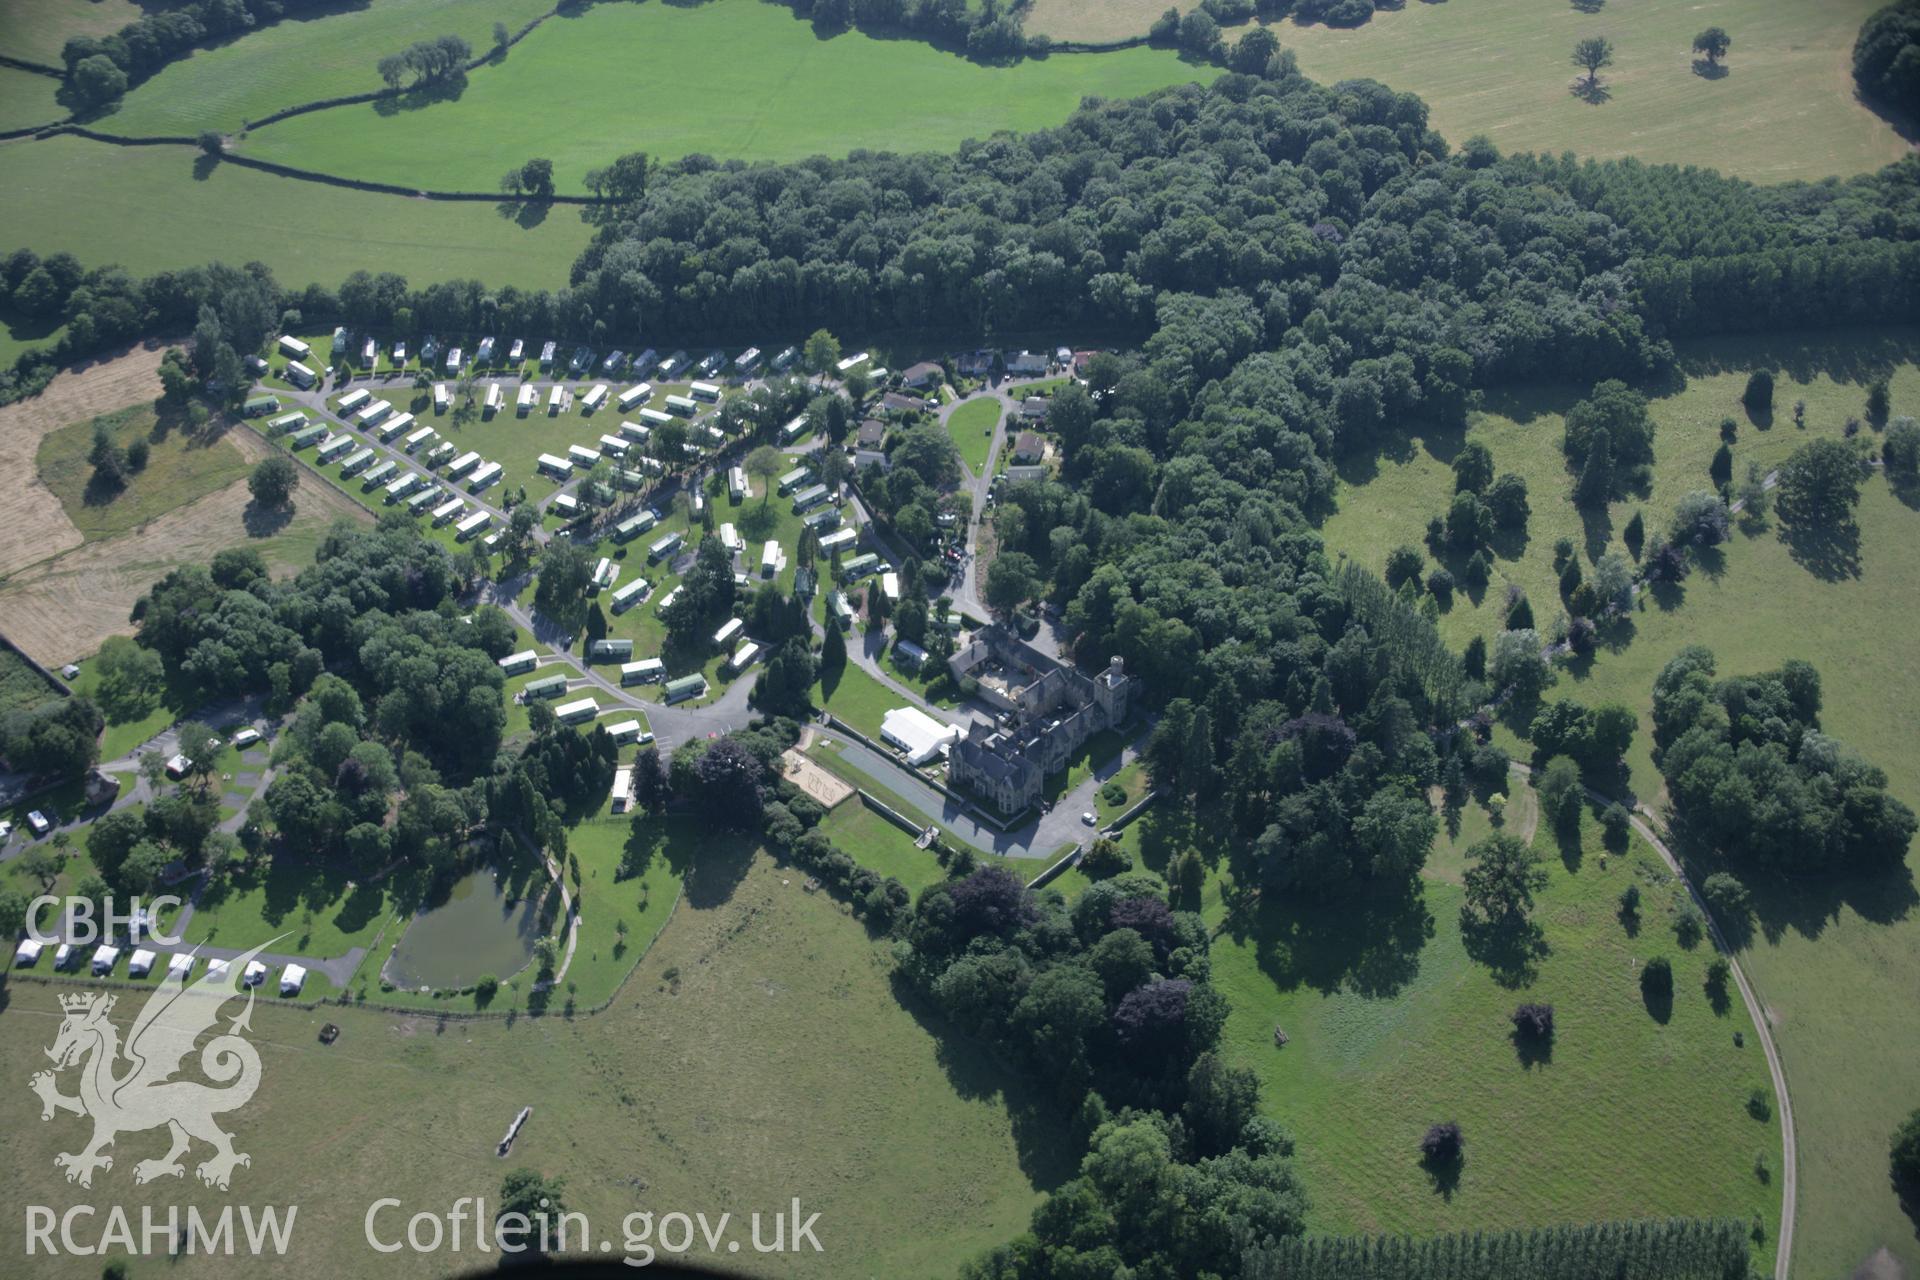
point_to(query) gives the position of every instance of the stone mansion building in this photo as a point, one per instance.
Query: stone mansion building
(1047, 711)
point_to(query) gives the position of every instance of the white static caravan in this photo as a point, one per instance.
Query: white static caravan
(838, 540)
(770, 559)
(744, 656)
(635, 432)
(576, 711)
(851, 363)
(794, 430)
(655, 418)
(582, 456)
(472, 525)
(454, 360)
(528, 396)
(441, 397)
(682, 406)
(645, 671)
(730, 538)
(595, 397)
(369, 353)
(605, 573)
(485, 351)
(447, 511)
(547, 352)
(294, 347)
(672, 365)
(622, 794)
(299, 375)
(418, 438)
(890, 585)
(559, 399)
(518, 351)
(557, 467)
(441, 452)
(729, 630)
(496, 398)
(427, 497)
(371, 414)
(515, 663)
(665, 547)
(395, 425)
(633, 396)
(463, 464)
(747, 359)
(489, 473)
(631, 594)
(399, 353)
(667, 600)
(614, 446)
(401, 486)
(737, 483)
(785, 357)
(703, 391)
(624, 732)
(565, 504)
(354, 399)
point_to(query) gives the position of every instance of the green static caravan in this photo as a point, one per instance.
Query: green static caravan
(577, 711)
(286, 422)
(260, 406)
(794, 479)
(307, 435)
(682, 405)
(376, 475)
(630, 595)
(693, 686)
(839, 610)
(665, 547)
(420, 501)
(610, 651)
(809, 498)
(632, 527)
(335, 447)
(860, 566)
(356, 462)
(645, 671)
(822, 520)
(546, 687)
(401, 485)
(838, 540)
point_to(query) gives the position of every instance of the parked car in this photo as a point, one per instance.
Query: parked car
(6, 829)
(39, 823)
(1088, 818)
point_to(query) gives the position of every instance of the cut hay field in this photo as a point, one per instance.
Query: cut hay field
(725, 79)
(182, 465)
(161, 208)
(1785, 108)
(1836, 964)
(301, 60)
(36, 29)
(758, 1054)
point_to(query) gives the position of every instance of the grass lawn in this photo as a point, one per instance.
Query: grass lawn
(858, 699)
(311, 904)
(26, 98)
(326, 56)
(1391, 1026)
(37, 29)
(160, 208)
(971, 426)
(881, 847)
(627, 69)
(1386, 500)
(630, 874)
(760, 1053)
(182, 465)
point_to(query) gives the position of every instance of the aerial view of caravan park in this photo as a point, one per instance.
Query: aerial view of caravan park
(960, 639)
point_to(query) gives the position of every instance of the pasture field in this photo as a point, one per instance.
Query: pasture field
(27, 99)
(37, 29)
(627, 71)
(813, 1081)
(301, 60)
(161, 208)
(1386, 499)
(182, 465)
(1784, 108)
(971, 426)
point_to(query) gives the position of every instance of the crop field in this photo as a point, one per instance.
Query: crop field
(1784, 108)
(302, 60)
(758, 1054)
(36, 29)
(160, 208)
(1835, 962)
(626, 68)
(27, 99)
(1391, 1025)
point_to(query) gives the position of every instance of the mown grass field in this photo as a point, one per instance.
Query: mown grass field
(182, 465)
(759, 1054)
(1784, 109)
(304, 59)
(971, 426)
(727, 79)
(1385, 499)
(37, 29)
(1836, 963)
(161, 208)
(881, 847)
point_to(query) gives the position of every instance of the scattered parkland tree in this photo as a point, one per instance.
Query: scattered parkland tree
(1758, 397)
(1501, 882)
(1712, 44)
(1593, 53)
(1442, 1144)
(1819, 482)
(1904, 1153)
(273, 481)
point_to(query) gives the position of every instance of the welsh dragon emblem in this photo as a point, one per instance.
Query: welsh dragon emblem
(131, 1088)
